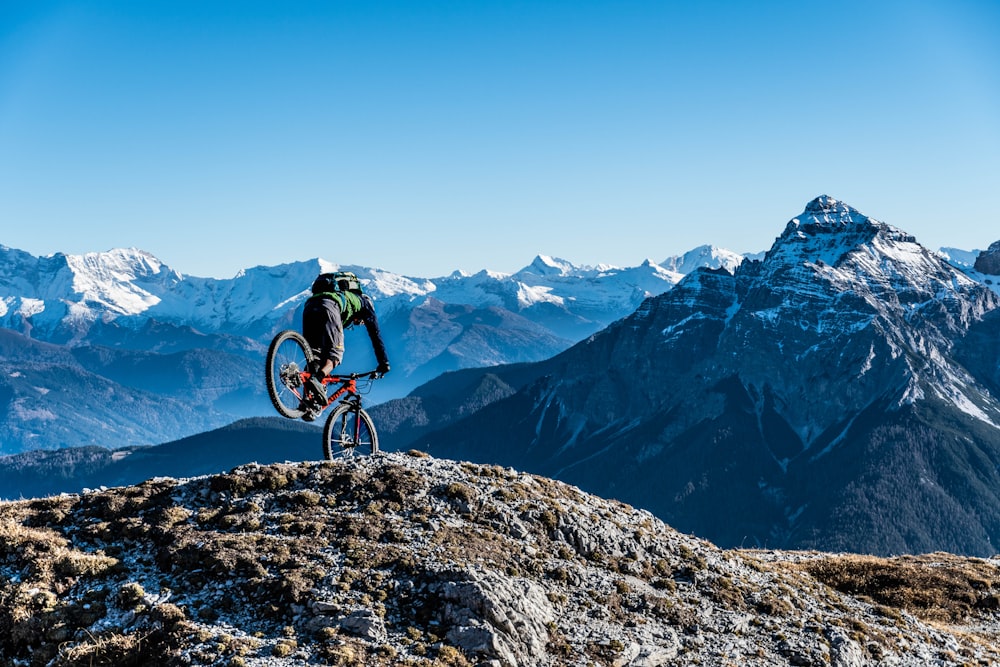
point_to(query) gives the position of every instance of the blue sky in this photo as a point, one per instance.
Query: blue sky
(425, 136)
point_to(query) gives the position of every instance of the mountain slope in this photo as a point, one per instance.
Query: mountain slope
(71, 470)
(407, 560)
(48, 399)
(799, 402)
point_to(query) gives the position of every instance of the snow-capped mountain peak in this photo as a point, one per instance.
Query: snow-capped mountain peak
(120, 263)
(825, 215)
(826, 231)
(703, 256)
(122, 280)
(825, 205)
(835, 273)
(543, 265)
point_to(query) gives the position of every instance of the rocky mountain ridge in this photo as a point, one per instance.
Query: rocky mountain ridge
(409, 560)
(840, 393)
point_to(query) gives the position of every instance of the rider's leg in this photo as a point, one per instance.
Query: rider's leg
(323, 329)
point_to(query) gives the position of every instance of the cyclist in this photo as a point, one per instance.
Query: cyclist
(337, 303)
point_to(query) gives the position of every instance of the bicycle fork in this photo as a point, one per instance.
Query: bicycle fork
(356, 411)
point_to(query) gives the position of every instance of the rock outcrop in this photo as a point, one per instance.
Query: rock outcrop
(409, 560)
(988, 261)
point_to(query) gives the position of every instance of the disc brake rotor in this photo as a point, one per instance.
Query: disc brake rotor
(290, 376)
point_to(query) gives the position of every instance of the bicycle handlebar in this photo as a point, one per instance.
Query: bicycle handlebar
(374, 375)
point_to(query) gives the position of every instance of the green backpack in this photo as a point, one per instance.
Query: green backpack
(343, 286)
(338, 281)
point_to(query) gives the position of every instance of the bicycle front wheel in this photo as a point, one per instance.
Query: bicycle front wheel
(287, 357)
(348, 432)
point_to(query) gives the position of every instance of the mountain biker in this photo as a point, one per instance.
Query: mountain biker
(337, 303)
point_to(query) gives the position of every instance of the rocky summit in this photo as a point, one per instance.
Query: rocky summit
(404, 559)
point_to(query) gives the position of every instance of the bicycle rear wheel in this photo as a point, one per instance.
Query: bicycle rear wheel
(288, 355)
(348, 432)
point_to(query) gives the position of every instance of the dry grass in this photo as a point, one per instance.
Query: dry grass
(934, 587)
(111, 649)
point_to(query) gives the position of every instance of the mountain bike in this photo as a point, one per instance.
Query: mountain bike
(348, 430)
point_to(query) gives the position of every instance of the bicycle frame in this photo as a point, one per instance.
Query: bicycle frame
(348, 385)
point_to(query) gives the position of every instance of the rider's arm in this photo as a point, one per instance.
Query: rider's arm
(367, 314)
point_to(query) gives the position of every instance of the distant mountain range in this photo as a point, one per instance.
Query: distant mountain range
(116, 349)
(76, 298)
